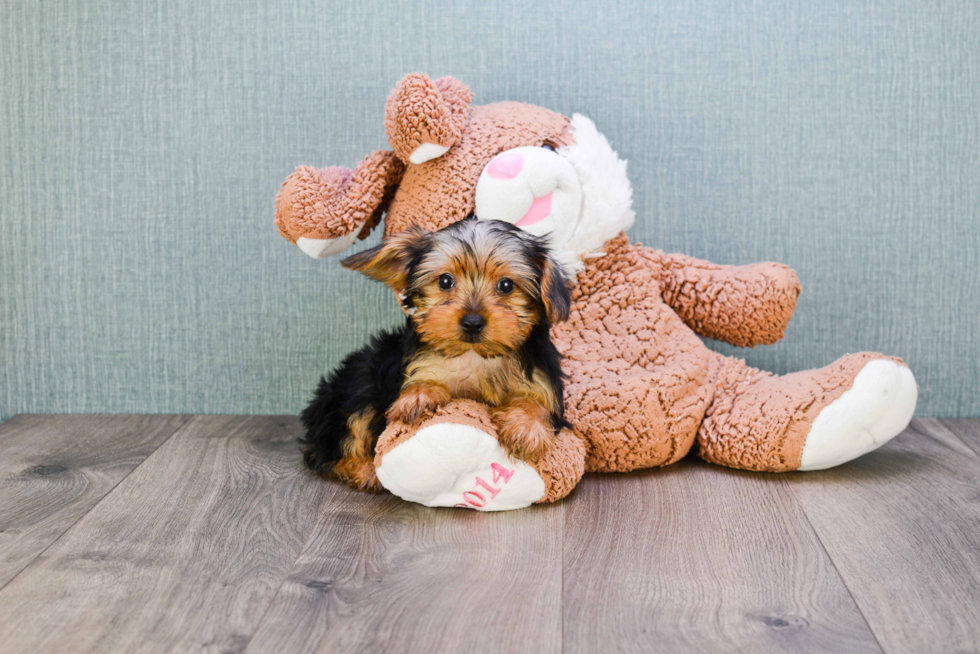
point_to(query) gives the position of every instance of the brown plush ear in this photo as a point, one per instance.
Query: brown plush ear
(389, 262)
(423, 119)
(555, 295)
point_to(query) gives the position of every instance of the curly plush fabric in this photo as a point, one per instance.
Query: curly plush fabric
(703, 294)
(636, 387)
(644, 388)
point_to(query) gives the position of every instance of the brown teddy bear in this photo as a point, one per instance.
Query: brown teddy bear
(642, 388)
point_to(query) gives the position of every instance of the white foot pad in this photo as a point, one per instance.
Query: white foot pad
(458, 465)
(873, 411)
(320, 248)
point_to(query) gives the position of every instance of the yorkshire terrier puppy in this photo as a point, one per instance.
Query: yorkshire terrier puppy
(480, 298)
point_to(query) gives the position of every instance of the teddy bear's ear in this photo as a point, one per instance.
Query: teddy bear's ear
(423, 119)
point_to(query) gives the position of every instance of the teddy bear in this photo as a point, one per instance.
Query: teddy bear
(642, 388)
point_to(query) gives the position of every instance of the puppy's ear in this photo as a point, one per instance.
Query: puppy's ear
(389, 262)
(555, 295)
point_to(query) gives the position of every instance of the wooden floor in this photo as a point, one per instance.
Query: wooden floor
(179, 533)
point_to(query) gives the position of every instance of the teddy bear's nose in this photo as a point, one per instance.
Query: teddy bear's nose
(505, 166)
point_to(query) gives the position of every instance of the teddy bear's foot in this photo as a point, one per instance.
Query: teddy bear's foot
(760, 421)
(874, 410)
(451, 464)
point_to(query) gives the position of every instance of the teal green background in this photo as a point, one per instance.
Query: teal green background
(142, 145)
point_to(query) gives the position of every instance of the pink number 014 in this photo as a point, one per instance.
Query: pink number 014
(475, 499)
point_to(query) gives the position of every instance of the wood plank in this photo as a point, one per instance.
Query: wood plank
(185, 554)
(902, 526)
(966, 429)
(54, 469)
(380, 574)
(699, 558)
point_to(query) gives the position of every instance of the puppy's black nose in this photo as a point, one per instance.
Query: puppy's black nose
(472, 324)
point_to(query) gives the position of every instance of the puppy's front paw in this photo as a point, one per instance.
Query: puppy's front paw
(418, 402)
(525, 434)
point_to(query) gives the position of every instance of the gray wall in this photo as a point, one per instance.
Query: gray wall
(142, 144)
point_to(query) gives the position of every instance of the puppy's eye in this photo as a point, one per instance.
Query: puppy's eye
(446, 281)
(505, 286)
(548, 146)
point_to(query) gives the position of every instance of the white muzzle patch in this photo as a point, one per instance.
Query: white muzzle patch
(533, 188)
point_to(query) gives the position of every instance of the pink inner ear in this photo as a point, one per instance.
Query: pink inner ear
(540, 209)
(505, 166)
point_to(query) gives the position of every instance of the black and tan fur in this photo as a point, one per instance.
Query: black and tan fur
(479, 338)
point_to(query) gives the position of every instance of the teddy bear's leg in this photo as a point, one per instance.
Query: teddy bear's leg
(630, 418)
(808, 420)
(454, 459)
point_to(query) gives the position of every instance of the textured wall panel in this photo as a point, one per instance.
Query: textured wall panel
(142, 144)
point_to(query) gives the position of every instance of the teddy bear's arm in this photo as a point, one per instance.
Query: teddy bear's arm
(742, 305)
(335, 205)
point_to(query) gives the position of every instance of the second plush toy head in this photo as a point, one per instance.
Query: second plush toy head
(509, 161)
